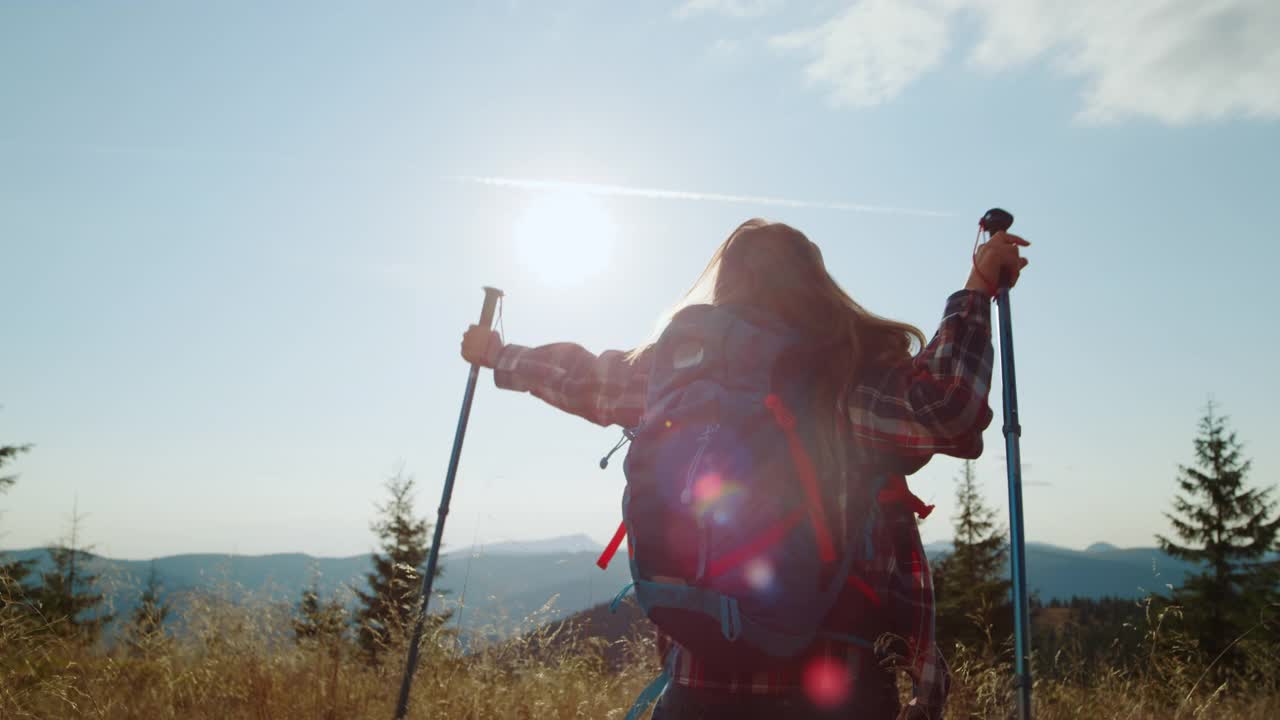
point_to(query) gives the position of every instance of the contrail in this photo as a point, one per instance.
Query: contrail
(532, 184)
(654, 193)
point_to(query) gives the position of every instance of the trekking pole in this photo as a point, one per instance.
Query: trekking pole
(491, 296)
(997, 220)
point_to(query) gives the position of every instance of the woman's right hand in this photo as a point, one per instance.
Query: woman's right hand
(997, 256)
(481, 346)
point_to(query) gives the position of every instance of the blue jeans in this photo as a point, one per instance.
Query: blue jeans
(683, 703)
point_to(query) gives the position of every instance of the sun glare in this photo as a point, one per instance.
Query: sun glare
(564, 237)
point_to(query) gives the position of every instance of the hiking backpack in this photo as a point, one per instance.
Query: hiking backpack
(738, 549)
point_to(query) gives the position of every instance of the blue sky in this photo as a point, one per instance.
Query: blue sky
(239, 242)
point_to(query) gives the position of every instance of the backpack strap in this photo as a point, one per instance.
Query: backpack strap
(650, 694)
(867, 591)
(603, 561)
(808, 477)
(878, 496)
(687, 597)
(617, 599)
(766, 539)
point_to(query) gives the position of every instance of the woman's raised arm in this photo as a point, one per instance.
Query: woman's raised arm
(607, 389)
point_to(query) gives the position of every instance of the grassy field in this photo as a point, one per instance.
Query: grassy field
(242, 661)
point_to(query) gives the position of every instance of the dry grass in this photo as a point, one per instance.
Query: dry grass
(238, 660)
(233, 659)
(1169, 679)
(982, 690)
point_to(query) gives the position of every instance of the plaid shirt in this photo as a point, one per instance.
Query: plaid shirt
(899, 416)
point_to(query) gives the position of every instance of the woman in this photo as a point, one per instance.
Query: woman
(879, 406)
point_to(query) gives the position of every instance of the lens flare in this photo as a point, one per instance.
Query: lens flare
(759, 574)
(707, 489)
(826, 682)
(710, 493)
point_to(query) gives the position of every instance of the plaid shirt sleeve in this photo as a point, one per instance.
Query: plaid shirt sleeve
(911, 591)
(937, 402)
(608, 389)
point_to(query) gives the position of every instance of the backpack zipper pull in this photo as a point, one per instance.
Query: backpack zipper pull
(704, 439)
(627, 436)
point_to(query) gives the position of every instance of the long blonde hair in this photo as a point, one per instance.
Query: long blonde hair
(774, 266)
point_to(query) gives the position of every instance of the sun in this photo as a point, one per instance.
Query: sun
(564, 237)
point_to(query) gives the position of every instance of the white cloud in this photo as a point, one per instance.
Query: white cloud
(1175, 61)
(731, 8)
(872, 50)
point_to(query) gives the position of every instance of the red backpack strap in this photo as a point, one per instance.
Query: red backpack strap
(861, 586)
(603, 561)
(807, 474)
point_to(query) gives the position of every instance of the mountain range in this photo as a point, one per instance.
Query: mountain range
(509, 587)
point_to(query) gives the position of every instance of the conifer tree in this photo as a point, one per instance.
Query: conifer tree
(14, 572)
(68, 591)
(388, 607)
(320, 621)
(972, 583)
(7, 455)
(1228, 528)
(146, 623)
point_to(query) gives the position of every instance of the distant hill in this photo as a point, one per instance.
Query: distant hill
(511, 587)
(282, 575)
(1055, 572)
(505, 587)
(1102, 569)
(565, 544)
(511, 592)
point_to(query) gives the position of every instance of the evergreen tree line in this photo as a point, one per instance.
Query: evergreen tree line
(1226, 616)
(1227, 613)
(65, 599)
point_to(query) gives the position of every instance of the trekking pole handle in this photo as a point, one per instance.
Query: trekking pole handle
(491, 297)
(996, 220)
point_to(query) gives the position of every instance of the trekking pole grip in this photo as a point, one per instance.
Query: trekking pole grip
(491, 297)
(996, 220)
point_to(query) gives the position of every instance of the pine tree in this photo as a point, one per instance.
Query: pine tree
(971, 583)
(1227, 528)
(67, 592)
(320, 621)
(12, 573)
(388, 608)
(146, 623)
(7, 454)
